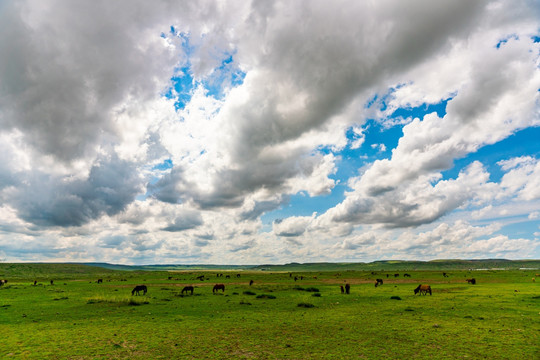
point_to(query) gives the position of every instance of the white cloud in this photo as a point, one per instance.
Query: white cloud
(522, 177)
(292, 226)
(85, 123)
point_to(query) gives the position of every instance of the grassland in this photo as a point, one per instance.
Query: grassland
(77, 318)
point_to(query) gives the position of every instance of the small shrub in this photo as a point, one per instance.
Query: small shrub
(409, 309)
(310, 289)
(265, 296)
(242, 302)
(395, 298)
(249, 293)
(305, 305)
(316, 294)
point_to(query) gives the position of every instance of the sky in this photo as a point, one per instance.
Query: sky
(269, 132)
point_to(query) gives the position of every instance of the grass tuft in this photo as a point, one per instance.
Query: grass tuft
(310, 289)
(305, 305)
(265, 296)
(132, 301)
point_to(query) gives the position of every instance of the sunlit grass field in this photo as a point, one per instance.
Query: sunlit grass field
(275, 318)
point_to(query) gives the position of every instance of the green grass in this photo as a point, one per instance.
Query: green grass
(498, 318)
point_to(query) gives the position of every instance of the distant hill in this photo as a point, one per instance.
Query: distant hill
(395, 265)
(73, 270)
(170, 267)
(43, 270)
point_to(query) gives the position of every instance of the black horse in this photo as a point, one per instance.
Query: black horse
(378, 282)
(218, 287)
(139, 288)
(188, 288)
(471, 281)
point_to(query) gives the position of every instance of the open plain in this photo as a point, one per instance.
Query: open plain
(277, 317)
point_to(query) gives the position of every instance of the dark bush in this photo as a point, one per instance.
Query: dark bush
(265, 296)
(305, 305)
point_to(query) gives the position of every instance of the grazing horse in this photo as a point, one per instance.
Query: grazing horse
(188, 288)
(3, 282)
(200, 277)
(52, 282)
(444, 274)
(250, 282)
(471, 281)
(99, 281)
(218, 287)
(139, 288)
(347, 288)
(406, 275)
(342, 290)
(423, 289)
(378, 282)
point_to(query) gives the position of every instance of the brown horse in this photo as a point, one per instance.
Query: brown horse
(188, 288)
(422, 289)
(378, 282)
(218, 287)
(139, 288)
(3, 282)
(471, 281)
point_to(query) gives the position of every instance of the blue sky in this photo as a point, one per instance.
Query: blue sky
(251, 133)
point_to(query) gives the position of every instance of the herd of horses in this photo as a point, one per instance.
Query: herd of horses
(422, 289)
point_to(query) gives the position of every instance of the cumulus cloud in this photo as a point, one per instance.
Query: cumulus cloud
(292, 226)
(185, 221)
(522, 177)
(49, 200)
(122, 124)
(412, 203)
